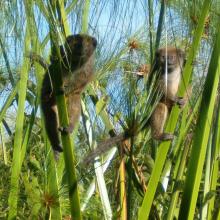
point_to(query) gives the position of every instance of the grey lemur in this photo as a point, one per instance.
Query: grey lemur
(174, 60)
(77, 71)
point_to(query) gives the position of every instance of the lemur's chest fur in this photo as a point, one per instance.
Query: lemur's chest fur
(170, 87)
(75, 82)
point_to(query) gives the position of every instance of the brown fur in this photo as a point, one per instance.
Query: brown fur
(77, 71)
(175, 62)
(176, 58)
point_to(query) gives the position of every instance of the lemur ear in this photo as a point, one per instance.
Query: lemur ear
(157, 53)
(69, 41)
(182, 54)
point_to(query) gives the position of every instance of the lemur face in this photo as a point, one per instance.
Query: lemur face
(175, 59)
(77, 50)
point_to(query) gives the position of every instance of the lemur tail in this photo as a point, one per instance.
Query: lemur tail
(103, 147)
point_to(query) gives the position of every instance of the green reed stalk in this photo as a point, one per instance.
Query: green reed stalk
(15, 171)
(197, 157)
(164, 147)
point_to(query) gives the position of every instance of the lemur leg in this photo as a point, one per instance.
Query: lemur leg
(74, 111)
(51, 122)
(157, 122)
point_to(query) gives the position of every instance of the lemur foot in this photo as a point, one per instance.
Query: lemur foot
(164, 137)
(66, 130)
(57, 148)
(180, 101)
(56, 155)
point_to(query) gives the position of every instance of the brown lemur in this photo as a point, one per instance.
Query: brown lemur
(168, 63)
(77, 55)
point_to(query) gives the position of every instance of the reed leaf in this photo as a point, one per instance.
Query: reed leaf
(8, 102)
(214, 163)
(164, 147)
(15, 171)
(85, 16)
(118, 105)
(52, 188)
(64, 122)
(98, 171)
(197, 157)
(5, 158)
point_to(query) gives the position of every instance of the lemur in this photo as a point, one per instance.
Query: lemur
(77, 55)
(169, 63)
(173, 60)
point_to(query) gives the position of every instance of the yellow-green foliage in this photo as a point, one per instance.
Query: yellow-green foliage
(141, 178)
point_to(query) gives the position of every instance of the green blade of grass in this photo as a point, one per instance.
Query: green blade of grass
(206, 184)
(14, 186)
(180, 160)
(175, 194)
(164, 147)
(104, 116)
(63, 119)
(8, 102)
(215, 163)
(3, 149)
(98, 169)
(198, 153)
(52, 182)
(160, 24)
(85, 16)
